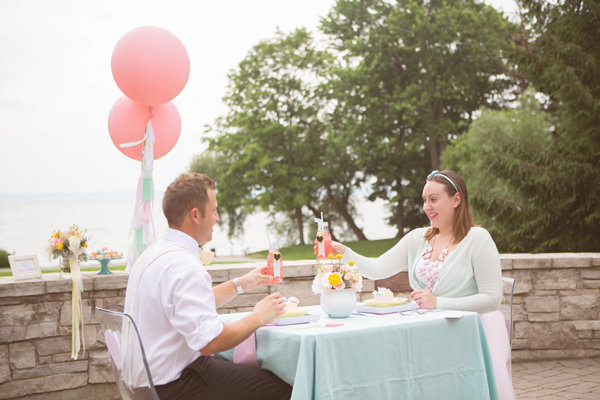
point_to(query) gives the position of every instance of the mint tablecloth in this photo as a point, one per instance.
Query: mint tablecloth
(418, 356)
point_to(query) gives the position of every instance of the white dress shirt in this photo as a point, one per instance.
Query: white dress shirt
(172, 302)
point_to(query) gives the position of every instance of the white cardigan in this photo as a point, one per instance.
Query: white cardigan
(470, 278)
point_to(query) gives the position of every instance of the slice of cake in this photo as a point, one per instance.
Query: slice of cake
(291, 304)
(383, 295)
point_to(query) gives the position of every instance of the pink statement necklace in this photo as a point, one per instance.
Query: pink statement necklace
(428, 269)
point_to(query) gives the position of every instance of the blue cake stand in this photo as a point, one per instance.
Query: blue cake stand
(104, 266)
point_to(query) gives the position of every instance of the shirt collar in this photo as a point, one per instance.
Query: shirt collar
(183, 239)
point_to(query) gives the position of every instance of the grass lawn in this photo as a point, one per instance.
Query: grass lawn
(7, 272)
(368, 248)
(47, 271)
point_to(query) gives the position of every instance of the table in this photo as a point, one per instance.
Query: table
(394, 356)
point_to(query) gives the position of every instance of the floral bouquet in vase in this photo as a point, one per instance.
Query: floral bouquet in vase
(71, 246)
(334, 275)
(68, 244)
(337, 284)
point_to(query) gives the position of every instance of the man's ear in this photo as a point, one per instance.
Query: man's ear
(193, 215)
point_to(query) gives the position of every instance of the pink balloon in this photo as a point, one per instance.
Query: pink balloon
(127, 124)
(150, 65)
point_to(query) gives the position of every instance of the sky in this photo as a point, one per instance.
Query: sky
(56, 84)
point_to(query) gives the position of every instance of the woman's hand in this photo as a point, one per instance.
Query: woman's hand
(337, 248)
(424, 299)
(254, 278)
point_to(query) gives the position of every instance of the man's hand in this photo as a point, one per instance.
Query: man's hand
(269, 308)
(254, 278)
(265, 311)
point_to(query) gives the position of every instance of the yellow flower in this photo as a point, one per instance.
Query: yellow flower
(56, 234)
(334, 279)
(59, 246)
(84, 244)
(351, 263)
(338, 257)
(330, 256)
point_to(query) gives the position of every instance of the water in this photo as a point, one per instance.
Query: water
(28, 220)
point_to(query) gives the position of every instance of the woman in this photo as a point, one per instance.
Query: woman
(451, 265)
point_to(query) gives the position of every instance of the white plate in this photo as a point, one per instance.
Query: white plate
(364, 308)
(297, 320)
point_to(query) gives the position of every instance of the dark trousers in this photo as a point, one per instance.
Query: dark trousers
(217, 378)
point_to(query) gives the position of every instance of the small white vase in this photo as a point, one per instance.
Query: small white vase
(338, 303)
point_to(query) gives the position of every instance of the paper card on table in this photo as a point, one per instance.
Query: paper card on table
(452, 314)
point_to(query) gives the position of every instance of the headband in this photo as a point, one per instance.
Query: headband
(436, 173)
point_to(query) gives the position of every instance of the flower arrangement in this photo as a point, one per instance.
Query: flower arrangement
(337, 276)
(73, 241)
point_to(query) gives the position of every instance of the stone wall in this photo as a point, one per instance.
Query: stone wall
(35, 338)
(556, 305)
(556, 310)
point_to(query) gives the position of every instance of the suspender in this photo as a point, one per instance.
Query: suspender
(138, 264)
(130, 361)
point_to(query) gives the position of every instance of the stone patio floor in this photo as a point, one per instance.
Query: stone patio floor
(557, 379)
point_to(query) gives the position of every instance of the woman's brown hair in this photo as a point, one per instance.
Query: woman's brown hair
(462, 221)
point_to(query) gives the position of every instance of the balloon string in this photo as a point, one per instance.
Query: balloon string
(131, 144)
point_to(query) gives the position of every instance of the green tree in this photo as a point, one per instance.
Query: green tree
(272, 147)
(561, 57)
(414, 72)
(511, 139)
(551, 195)
(4, 259)
(205, 163)
(231, 210)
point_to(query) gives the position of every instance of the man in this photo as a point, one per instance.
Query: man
(171, 298)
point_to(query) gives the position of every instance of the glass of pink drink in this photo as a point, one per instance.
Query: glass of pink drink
(275, 267)
(323, 241)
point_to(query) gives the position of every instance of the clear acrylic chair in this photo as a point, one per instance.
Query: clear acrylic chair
(127, 356)
(508, 290)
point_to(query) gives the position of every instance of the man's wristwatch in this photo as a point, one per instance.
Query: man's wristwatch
(238, 286)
